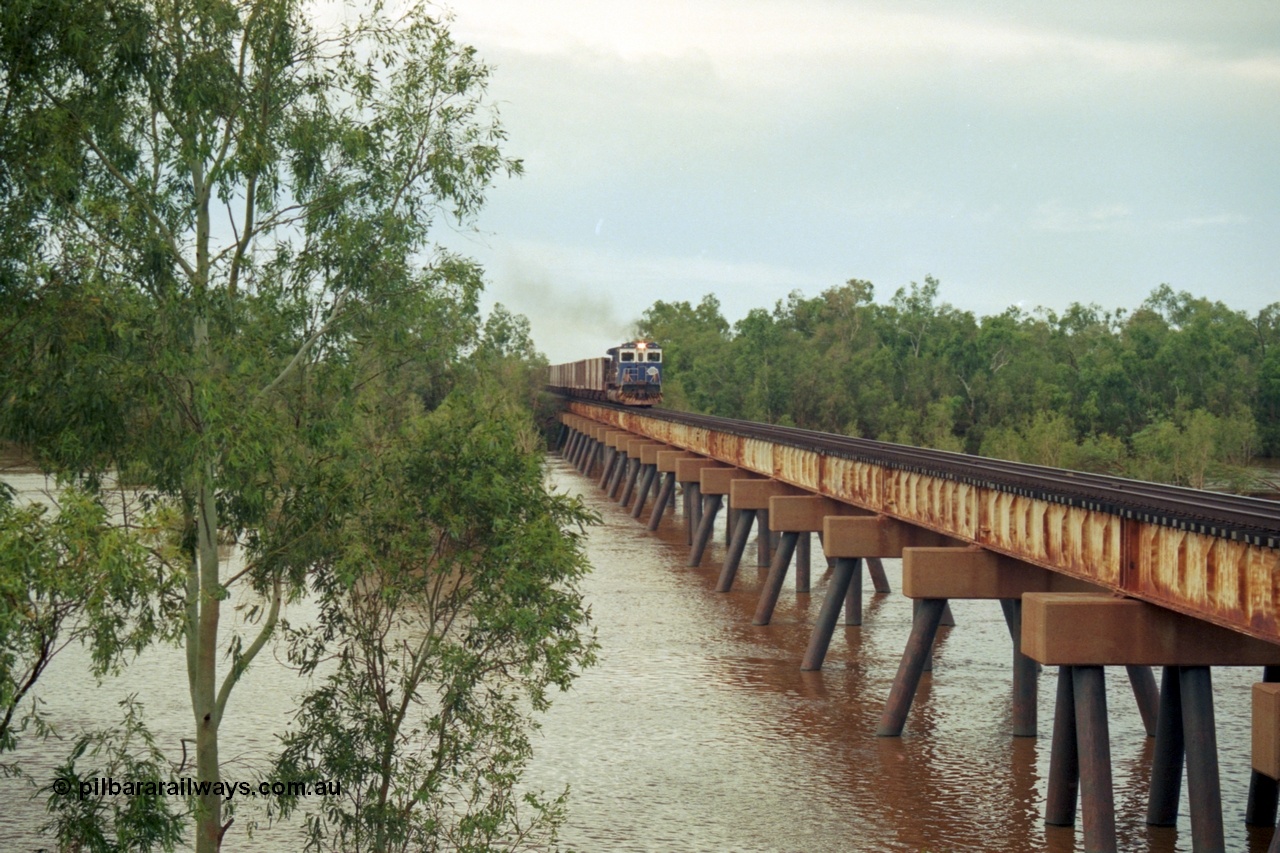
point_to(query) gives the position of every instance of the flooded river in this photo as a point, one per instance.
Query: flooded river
(699, 732)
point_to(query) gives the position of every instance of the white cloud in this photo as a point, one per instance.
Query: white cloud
(679, 148)
(1055, 216)
(779, 42)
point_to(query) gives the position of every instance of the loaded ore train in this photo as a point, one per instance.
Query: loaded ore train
(632, 375)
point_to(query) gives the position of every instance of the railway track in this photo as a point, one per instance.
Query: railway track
(1246, 519)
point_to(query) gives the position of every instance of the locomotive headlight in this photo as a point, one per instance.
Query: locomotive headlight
(641, 345)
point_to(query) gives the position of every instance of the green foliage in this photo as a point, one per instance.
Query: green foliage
(1194, 449)
(1087, 389)
(505, 354)
(89, 816)
(69, 576)
(1268, 404)
(693, 338)
(450, 606)
(218, 281)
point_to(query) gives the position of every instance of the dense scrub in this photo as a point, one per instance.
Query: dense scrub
(1180, 389)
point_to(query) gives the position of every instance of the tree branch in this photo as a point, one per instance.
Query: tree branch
(242, 663)
(307, 345)
(141, 200)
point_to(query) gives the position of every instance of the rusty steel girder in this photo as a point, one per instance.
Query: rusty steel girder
(1195, 568)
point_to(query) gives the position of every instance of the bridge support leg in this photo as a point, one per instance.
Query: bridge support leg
(1166, 764)
(924, 629)
(633, 471)
(664, 498)
(1186, 724)
(571, 445)
(803, 547)
(1264, 792)
(915, 609)
(1064, 756)
(655, 484)
(738, 544)
(610, 459)
(764, 539)
(777, 575)
(619, 473)
(1087, 629)
(693, 511)
(1025, 673)
(706, 526)
(948, 620)
(561, 436)
(589, 456)
(1143, 683)
(853, 598)
(875, 568)
(1082, 751)
(1093, 740)
(645, 489)
(1204, 788)
(844, 577)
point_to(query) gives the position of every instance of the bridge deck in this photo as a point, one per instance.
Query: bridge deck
(1215, 557)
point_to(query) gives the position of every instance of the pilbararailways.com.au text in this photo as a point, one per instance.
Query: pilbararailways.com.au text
(105, 786)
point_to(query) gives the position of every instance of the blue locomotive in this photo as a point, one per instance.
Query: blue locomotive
(632, 375)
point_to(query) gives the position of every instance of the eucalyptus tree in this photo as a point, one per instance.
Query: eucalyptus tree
(217, 223)
(66, 576)
(449, 611)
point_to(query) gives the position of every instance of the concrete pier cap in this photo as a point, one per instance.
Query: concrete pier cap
(616, 438)
(716, 481)
(690, 470)
(1266, 729)
(876, 536)
(1101, 629)
(649, 452)
(756, 493)
(667, 460)
(974, 572)
(806, 513)
(635, 446)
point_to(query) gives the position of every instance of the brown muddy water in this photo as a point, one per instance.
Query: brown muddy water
(698, 732)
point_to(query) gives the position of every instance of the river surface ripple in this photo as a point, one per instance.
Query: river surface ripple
(698, 732)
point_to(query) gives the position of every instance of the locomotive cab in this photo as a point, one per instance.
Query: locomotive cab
(636, 373)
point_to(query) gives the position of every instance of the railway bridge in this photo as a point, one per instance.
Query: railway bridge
(1091, 572)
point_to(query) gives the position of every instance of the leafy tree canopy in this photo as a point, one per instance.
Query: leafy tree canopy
(218, 289)
(1180, 388)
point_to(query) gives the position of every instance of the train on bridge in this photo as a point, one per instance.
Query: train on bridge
(1092, 572)
(631, 375)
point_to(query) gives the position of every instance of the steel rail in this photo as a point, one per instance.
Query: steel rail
(1255, 521)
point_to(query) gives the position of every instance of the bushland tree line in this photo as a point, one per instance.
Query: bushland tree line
(1180, 389)
(224, 322)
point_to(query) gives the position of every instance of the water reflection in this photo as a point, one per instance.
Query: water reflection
(698, 731)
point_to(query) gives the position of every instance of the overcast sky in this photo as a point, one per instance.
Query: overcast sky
(1022, 153)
